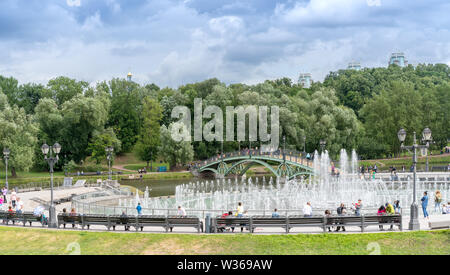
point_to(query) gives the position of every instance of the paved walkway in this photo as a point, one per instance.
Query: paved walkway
(30, 204)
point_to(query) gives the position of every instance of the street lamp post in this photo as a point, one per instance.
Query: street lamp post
(426, 137)
(414, 214)
(6, 157)
(56, 148)
(304, 144)
(109, 151)
(323, 143)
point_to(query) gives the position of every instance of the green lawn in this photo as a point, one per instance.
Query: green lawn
(384, 164)
(41, 241)
(141, 165)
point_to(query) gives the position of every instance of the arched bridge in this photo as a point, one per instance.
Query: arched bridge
(289, 165)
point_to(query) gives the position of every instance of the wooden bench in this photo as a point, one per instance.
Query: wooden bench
(142, 221)
(268, 221)
(344, 221)
(13, 217)
(88, 220)
(30, 218)
(220, 223)
(301, 221)
(116, 220)
(189, 221)
(67, 219)
(369, 220)
(439, 224)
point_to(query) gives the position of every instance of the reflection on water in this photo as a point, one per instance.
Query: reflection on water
(158, 187)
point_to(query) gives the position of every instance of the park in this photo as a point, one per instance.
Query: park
(198, 127)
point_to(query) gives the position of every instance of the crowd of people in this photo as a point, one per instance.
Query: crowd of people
(439, 206)
(14, 204)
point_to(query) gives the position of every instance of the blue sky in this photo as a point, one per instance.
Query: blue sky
(174, 42)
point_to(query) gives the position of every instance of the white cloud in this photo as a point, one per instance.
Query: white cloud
(73, 3)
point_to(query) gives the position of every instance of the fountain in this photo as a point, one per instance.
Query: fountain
(323, 190)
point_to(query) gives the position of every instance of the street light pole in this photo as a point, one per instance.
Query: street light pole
(6, 156)
(109, 151)
(56, 148)
(427, 139)
(304, 144)
(414, 214)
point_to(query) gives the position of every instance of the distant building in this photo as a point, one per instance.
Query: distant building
(129, 76)
(398, 59)
(354, 66)
(305, 80)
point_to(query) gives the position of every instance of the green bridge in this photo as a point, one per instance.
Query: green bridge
(288, 165)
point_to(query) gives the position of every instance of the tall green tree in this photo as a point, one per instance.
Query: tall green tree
(124, 114)
(174, 152)
(18, 133)
(149, 138)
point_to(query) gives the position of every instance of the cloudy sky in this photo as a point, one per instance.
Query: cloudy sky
(174, 42)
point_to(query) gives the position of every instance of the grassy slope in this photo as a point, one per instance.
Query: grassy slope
(37, 241)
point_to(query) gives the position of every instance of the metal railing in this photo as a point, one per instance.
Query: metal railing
(89, 204)
(291, 155)
(57, 185)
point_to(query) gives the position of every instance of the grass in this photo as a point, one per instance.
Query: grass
(384, 164)
(141, 165)
(42, 241)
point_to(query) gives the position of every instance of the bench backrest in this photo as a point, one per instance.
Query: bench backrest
(95, 218)
(232, 221)
(68, 218)
(305, 220)
(183, 220)
(268, 220)
(119, 219)
(344, 219)
(384, 218)
(152, 219)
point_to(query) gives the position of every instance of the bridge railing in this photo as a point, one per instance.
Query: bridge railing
(291, 155)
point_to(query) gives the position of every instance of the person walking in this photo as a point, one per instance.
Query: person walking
(437, 202)
(425, 204)
(139, 208)
(341, 211)
(307, 210)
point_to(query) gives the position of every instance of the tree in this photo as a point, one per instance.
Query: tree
(398, 106)
(100, 141)
(124, 112)
(82, 117)
(63, 89)
(28, 96)
(149, 138)
(73, 125)
(173, 152)
(18, 133)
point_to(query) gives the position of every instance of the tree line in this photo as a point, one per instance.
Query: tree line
(350, 109)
